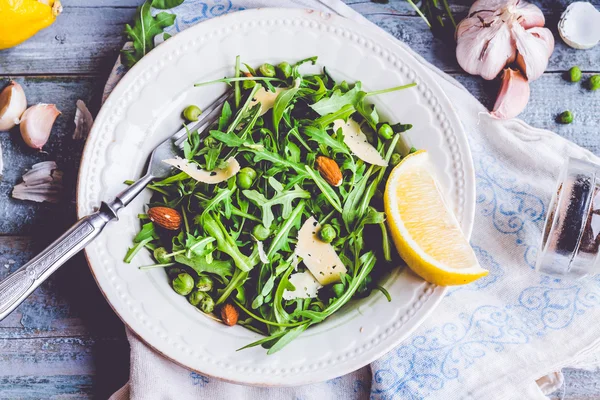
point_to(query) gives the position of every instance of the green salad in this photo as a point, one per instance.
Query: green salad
(273, 219)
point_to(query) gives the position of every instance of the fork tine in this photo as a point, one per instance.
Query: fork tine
(206, 114)
(207, 122)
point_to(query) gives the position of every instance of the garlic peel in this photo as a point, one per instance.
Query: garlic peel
(12, 105)
(579, 25)
(36, 124)
(83, 121)
(513, 95)
(43, 182)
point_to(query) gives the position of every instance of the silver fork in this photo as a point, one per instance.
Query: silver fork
(20, 284)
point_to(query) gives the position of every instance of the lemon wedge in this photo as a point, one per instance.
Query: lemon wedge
(425, 231)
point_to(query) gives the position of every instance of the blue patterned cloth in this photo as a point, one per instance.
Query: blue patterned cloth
(491, 339)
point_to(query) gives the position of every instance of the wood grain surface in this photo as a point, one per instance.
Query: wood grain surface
(64, 342)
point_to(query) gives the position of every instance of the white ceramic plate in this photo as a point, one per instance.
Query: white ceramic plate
(144, 109)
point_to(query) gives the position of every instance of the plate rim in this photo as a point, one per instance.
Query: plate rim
(436, 293)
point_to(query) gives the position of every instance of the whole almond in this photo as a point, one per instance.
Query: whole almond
(329, 170)
(165, 217)
(229, 314)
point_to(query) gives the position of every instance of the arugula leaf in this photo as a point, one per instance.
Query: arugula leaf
(226, 244)
(199, 264)
(337, 100)
(225, 116)
(320, 136)
(145, 27)
(283, 198)
(281, 102)
(146, 232)
(166, 4)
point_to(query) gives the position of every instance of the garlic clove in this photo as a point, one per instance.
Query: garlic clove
(36, 124)
(529, 15)
(12, 105)
(534, 48)
(483, 49)
(579, 25)
(513, 95)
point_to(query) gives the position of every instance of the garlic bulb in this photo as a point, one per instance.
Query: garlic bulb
(12, 105)
(579, 25)
(36, 124)
(513, 95)
(499, 32)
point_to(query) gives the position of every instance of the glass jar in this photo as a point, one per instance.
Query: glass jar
(572, 231)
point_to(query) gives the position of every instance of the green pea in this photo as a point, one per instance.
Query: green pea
(595, 82)
(211, 142)
(174, 271)
(338, 289)
(285, 69)
(327, 233)
(246, 177)
(183, 284)
(205, 283)
(575, 74)
(250, 172)
(395, 160)
(207, 304)
(267, 70)
(260, 232)
(159, 255)
(248, 84)
(344, 86)
(385, 131)
(191, 113)
(566, 117)
(196, 297)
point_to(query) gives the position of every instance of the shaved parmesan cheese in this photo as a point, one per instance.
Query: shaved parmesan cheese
(306, 286)
(266, 98)
(319, 257)
(211, 177)
(261, 252)
(357, 142)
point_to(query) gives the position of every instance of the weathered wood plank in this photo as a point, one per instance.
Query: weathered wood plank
(24, 217)
(47, 387)
(551, 95)
(402, 7)
(87, 40)
(417, 35)
(68, 304)
(82, 40)
(61, 366)
(579, 385)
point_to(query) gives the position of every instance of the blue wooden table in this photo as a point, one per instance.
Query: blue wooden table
(65, 341)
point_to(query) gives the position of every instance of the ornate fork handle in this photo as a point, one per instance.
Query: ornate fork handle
(17, 286)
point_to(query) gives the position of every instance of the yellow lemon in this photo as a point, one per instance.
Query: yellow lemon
(21, 19)
(425, 231)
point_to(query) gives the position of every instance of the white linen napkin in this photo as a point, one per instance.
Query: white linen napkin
(491, 339)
